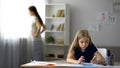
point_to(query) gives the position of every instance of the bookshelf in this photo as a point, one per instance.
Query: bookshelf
(57, 33)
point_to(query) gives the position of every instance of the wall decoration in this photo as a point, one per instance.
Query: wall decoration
(93, 27)
(106, 17)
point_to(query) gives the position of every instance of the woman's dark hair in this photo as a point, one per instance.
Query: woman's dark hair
(33, 9)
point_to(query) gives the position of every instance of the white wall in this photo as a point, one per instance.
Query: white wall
(85, 12)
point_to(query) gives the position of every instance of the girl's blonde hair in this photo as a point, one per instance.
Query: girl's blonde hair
(79, 35)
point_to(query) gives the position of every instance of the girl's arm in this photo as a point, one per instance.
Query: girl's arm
(98, 58)
(70, 58)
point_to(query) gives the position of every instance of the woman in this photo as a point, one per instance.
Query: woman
(37, 29)
(83, 50)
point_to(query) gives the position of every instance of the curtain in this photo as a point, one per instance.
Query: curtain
(12, 53)
(15, 27)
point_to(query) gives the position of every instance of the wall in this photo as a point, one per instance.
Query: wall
(85, 12)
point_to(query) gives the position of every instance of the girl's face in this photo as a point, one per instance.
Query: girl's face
(83, 42)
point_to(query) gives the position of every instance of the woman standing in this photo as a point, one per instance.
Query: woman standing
(37, 29)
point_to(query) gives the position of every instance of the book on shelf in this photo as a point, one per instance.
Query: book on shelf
(60, 41)
(60, 27)
(60, 13)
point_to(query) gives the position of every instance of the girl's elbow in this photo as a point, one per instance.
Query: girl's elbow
(68, 60)
(102, 61)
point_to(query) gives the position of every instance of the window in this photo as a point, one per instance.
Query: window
(15, 20)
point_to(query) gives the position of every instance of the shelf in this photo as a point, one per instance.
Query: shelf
(57, 23)
(53, 31)
(55, 4)
(54, 18)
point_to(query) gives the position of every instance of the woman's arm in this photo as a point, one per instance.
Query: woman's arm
(39, 31)
(44, 28)
(36, 33)
(70, 58)
(98, 59)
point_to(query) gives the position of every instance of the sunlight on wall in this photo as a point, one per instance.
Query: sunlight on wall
(15, 19)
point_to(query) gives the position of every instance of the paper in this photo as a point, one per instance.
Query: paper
(38, 63)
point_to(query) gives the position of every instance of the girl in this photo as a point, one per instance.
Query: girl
(83, 50)
(37, 29)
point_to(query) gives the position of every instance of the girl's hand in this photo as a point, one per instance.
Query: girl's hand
(80, 60)
(94, 60)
